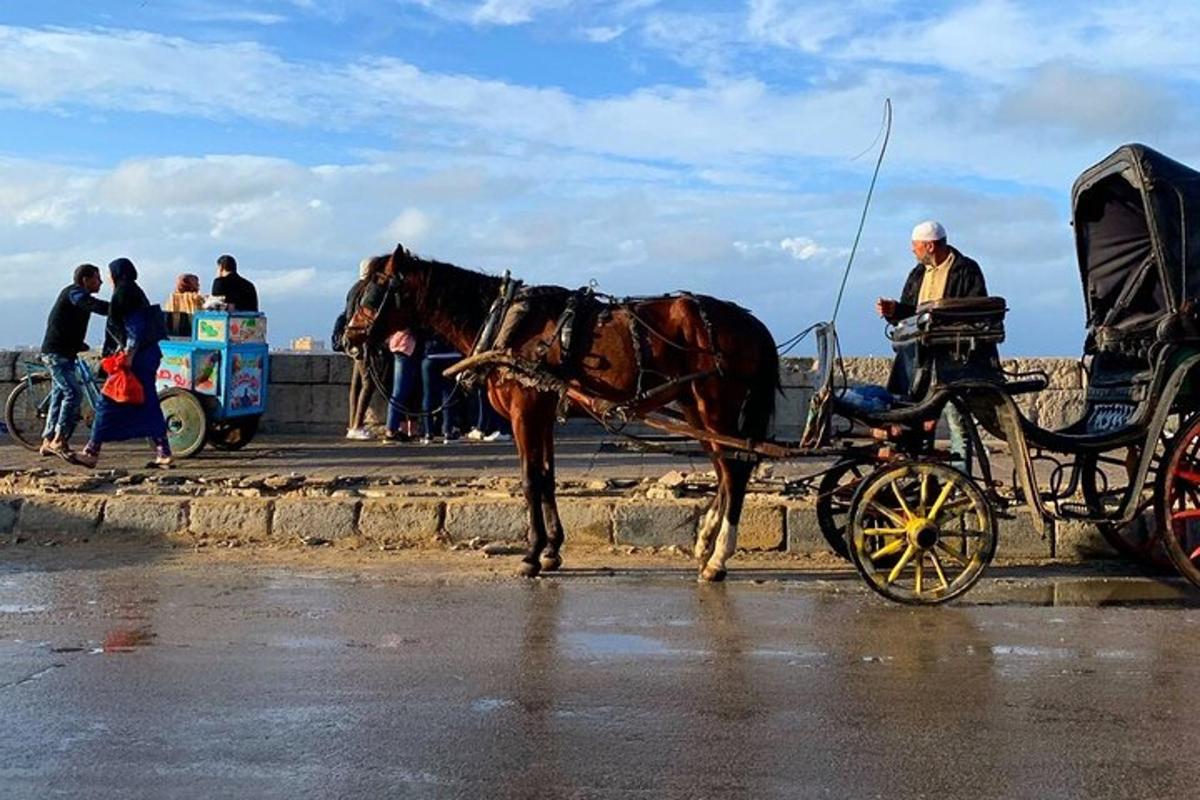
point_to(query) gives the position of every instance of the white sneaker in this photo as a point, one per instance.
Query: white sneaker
(475, 435)
(497, 436)
(359, 434)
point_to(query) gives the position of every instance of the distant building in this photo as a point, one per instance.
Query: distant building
(308, 344)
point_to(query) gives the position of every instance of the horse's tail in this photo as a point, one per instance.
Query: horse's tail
(765, 385)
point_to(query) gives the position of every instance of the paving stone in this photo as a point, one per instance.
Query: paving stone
(761, 527)
(10, 509)
(651, 524)
(60, 515)
(144, 515)
(1020, 538)
(400, 521)
(494, 520)
(586, 521)
(236, 517)
(1075, 540)
(301, 517)
(803, 533)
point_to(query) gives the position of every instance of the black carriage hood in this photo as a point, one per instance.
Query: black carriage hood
(1136, 216)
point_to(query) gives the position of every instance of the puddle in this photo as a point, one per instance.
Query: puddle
(614, 645)
(486, 705)
(125, 640)
(19, 609)
(1089, 593)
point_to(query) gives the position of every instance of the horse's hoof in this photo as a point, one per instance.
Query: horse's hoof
(528, 569)
(712, 575)
(551, 562)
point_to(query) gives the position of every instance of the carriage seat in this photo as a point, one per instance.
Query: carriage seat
(954, 321)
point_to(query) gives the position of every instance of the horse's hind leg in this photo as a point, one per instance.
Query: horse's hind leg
(528, 433)
(706, 534)
(551, 558)
(735, 476)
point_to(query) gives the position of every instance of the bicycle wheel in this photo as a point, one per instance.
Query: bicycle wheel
(26, 408)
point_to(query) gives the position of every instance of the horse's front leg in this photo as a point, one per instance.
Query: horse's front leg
(528, 435)
(551, 558)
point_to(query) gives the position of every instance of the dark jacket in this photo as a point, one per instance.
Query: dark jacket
(66, 327)
(965, 280)
(237, 291)
(128, 300)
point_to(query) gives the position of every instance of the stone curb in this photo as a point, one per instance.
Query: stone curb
(409, 521)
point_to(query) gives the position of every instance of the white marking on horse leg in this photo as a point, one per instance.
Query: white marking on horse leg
(704, 535)
(725, 547)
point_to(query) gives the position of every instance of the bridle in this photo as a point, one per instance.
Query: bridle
(385, 291)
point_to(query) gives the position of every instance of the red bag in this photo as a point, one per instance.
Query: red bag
(122, 386)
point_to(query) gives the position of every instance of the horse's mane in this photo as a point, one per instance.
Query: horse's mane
(461, 296)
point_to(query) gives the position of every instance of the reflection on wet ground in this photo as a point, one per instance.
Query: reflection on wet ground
(260, 680)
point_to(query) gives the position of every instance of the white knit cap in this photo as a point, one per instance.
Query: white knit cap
(364, 267)
(928, 231)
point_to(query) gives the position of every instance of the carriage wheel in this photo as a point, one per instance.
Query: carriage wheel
(835, 494)
(1178, 502)
(186, 422)
(921, 532)
(232, 434)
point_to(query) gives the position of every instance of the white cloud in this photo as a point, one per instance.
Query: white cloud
(512, 12)
(603, 34)
(409, 227)
(801, 248)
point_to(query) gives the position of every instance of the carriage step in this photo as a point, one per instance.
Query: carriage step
(1076, 511)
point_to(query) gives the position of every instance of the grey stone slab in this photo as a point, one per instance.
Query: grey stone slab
(400, 521)
(762, 526)
(1020, 538)
(495, 520)
(233, 517)
(586, 521)
(300, 368)
(803, 532)
(138, 514)
(656, 524)
(10, 509)
(1081, 541)
(302, 517)
(60, 515)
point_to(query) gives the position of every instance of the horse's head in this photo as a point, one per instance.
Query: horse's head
(384, 302)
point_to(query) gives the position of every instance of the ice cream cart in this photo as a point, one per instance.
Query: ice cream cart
(213, 386)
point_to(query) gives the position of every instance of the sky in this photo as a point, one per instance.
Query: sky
(724, 148)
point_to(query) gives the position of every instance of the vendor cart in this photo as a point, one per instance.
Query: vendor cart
(213, 385)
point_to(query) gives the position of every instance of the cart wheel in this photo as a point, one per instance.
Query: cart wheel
(835, 493)
(1177, 501)
(232, 434)
(921, 532)
(26, 408)
(186, 422)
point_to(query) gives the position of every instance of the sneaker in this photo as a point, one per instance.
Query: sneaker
(426, 440)
(451, 439)
(395, 437)
(161, 462)
(497, 436)
(358, 434)
(475, 435)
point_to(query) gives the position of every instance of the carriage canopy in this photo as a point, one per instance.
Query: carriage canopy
(1137, 234)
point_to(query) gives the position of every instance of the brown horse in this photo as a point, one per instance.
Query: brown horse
(710, 360)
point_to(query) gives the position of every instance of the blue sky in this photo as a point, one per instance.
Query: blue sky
(646, 144)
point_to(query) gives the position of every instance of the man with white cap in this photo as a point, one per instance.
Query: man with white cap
(941, 272)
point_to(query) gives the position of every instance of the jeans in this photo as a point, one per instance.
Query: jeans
(960, 439)
(66, 396)
(404, 379)
(486, 418)
(433, 388)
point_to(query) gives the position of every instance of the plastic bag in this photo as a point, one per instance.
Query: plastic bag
(122, 386)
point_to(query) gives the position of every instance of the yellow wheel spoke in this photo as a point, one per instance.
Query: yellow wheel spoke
(901, 564)
(956, 556)
(937, 566)
(884, 531)
(956, 507)
(942, 497)
(900, 499)
(924, 509)
(895, 518)
(889, 549)
(920, 568)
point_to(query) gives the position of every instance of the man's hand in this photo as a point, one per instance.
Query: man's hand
(886, 307)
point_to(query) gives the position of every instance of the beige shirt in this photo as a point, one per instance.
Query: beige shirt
(933, 284)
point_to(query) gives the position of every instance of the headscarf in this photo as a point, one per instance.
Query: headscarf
(364, 267)
(122, 270)
(187, 282)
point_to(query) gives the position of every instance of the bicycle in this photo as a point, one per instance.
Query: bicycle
(28, 403)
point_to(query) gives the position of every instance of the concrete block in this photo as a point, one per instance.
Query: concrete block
(586, 521)
(144, 515)
(289, 404)
(653, 524)
(10, 508)
(1082, 541)
(339, 370)
(495, 520)
(233, 517)
(330, 404)
(761, 527)
(299, 368)
(803, 532)
(400, 521)
(307, 516)
(1019, 538)
(60, 515)
(8, 362)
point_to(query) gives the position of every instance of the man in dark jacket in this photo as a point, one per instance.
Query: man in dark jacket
(238, 292)
(941, 272)
(66, 332)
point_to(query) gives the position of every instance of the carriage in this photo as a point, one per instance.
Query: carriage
(919, 529)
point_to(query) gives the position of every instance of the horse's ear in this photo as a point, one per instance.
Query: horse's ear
(400, 259)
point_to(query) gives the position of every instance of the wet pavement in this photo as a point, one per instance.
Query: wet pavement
(150, 673)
